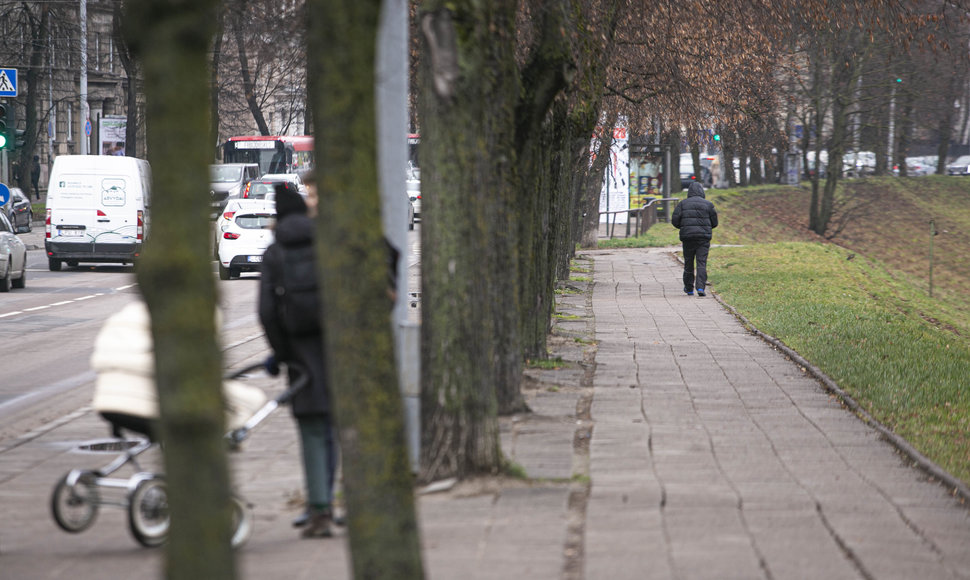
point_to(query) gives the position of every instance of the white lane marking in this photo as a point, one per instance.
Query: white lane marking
(61, 303)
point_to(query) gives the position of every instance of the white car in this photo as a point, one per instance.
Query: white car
(960, 166)
(414, 194)
(13, 257)
(245, 230)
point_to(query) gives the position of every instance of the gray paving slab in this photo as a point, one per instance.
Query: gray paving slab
(761, 473)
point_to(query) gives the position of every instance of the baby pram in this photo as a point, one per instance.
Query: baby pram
(125, 397)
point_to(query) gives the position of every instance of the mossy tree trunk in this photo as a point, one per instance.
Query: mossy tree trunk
(469, 87)
(378, 482)
(172, 38)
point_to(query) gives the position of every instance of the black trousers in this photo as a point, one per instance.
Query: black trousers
(695, 250)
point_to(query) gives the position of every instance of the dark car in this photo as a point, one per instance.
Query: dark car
(259, 188)
(228, 181)
(19, 212)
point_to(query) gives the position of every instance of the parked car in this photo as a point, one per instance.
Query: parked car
(291, 177)
(13, 257)
(245, 231)
(414, 194)
(227, 181)
(960, 166)
(260, 188)
(19, 212)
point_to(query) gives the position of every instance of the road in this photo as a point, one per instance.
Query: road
(47, 331)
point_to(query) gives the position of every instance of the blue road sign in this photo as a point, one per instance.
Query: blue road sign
(8, 82)
(4, 195)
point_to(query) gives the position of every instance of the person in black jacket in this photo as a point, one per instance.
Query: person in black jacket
(695, 217)
(289, 310)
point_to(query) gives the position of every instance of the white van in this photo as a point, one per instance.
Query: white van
(97, 209)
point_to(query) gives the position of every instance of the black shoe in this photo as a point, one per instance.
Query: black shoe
(700, 292)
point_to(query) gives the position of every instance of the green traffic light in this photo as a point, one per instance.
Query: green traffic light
(3, 140)
(717, 137)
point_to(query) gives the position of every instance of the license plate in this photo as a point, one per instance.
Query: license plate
(70, 233)
(254, 258)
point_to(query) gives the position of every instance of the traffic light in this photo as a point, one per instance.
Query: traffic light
(5, 141)
(717, 137)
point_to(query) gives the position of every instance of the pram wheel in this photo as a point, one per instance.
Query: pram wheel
(148, 515)
(75, 501)
(242, 522)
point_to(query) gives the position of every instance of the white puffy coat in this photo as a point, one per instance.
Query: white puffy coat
(124, 361)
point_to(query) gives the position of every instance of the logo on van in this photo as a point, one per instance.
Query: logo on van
(113, 192)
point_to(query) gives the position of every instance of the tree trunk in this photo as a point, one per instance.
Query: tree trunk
(249, 85)
(468, 174)
(352, 253)
(171, 38)
(215, 85)
(131, 74)
(38, 33)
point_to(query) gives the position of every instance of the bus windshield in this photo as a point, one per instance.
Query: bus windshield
(273, 154)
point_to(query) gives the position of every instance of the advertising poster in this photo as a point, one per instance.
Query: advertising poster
(615, 195)
(112, 135)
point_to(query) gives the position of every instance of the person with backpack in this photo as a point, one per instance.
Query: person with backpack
(289, 310)
(695, 217)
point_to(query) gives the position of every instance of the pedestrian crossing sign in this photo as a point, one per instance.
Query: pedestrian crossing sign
(8, 82)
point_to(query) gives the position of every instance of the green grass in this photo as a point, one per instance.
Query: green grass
(658, 236)
(547, 364)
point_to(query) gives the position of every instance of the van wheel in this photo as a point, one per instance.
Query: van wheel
(54, 264)
(223, 272)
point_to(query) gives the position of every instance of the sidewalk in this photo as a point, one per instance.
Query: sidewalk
(688, 449)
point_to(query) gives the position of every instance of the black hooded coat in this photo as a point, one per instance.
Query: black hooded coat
(695, 216)
(289, 304)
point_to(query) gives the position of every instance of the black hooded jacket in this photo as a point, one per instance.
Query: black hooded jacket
(289, 308)
(695, 217)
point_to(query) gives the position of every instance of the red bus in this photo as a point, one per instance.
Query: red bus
(273, 153)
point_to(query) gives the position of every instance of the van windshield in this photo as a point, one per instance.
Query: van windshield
(224, 173)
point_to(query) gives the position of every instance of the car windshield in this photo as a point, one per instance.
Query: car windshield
(963, 160)
(224, 174)
(256, 221)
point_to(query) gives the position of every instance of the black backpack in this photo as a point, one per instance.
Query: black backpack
(297, 290)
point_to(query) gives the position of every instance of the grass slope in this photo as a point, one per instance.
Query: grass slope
(857, 305)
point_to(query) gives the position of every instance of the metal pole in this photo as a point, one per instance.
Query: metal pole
(392, 159)
(82, 134)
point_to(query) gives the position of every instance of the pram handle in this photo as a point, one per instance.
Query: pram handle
(238, 435)
(246, 370)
